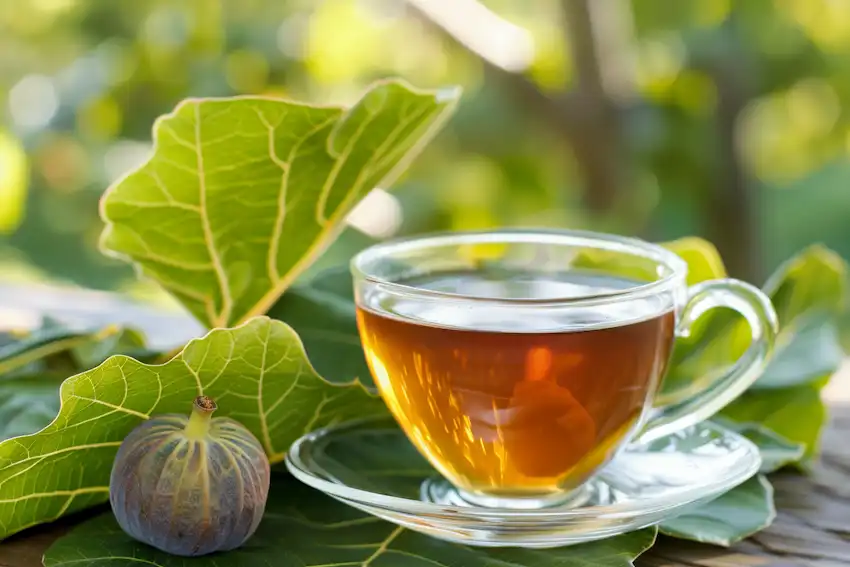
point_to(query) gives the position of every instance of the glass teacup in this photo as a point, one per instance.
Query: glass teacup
(520, 362)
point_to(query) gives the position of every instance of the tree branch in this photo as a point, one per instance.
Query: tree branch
(587, 117)
(733, 224)
(599, 149)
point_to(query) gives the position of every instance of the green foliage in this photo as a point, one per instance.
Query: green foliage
(258, 374)
(33, 365)
(258, 371)
(807, 291)
(56, 348)
(117, 66)
(796, 414)
(242, 262)
(304, 528)
(322, 312)
(741, 512)
(28, 403)
(782, 413)
(298, 168)
(703, 259)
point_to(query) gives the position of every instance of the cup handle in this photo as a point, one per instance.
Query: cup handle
(758, 311)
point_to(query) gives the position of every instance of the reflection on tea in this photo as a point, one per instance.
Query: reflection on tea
(510, 403)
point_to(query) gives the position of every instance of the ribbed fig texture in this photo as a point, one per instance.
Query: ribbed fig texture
(190, 485)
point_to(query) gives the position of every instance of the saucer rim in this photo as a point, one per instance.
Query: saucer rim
(343, 492)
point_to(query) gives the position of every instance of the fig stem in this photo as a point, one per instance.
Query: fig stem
(199, 421)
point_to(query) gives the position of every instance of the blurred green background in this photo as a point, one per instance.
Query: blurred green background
(728, 120)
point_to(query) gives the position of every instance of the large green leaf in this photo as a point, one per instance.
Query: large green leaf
(702, 257)
(796, 414)
(22, 351)
(683, 378)
(322, 312)
(33, 364)
(739, 513)
(28, 403)
(808, 292)
(242, 194)
(338, 255)
(785, 423)
(56, 347)
(812, 351)
(303, 528)
(257, 372)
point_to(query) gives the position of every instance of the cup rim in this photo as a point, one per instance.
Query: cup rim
(678, 268)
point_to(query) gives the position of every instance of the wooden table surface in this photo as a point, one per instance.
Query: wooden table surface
(812, 527)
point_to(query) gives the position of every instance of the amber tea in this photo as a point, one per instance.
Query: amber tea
(512, 405)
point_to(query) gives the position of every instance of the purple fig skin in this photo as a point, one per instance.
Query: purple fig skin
(190, 486)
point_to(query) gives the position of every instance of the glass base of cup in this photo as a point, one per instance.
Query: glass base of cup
(437, 490)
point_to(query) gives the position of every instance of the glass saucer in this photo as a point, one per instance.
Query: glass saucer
(371, 465)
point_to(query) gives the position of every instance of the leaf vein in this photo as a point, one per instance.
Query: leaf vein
(274, 244)
(55, 493)
(227, 301)
(327, 187)
(264, 425)
(383, 546)
(195, 375)
(112, 406)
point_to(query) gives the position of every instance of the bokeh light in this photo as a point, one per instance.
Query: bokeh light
(33, 102)
(674, 99)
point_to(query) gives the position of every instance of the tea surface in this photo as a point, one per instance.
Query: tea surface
(508, 403)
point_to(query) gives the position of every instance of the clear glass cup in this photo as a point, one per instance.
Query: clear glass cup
(521, 362)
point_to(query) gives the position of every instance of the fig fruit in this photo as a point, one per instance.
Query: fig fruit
(190, 485)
